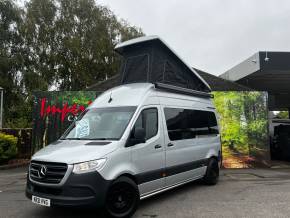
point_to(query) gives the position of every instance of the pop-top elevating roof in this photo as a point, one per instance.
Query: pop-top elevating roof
(150, 59)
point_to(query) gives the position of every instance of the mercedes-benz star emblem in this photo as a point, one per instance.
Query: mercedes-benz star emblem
(42, 172)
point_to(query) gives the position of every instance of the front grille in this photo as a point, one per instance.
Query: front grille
(47, 172)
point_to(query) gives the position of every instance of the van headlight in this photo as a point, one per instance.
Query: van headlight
(89, 166)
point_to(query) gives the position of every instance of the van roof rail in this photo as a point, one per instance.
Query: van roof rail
(180, 90)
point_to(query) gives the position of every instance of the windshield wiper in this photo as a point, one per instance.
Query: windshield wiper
(100, 139)
(71, 139)
(88, 139)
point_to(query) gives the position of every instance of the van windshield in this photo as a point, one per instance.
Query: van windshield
(100, 124)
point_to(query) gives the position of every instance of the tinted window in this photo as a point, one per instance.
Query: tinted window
(188, 124)
(148, 119)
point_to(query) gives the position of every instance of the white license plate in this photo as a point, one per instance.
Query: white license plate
(41, 201)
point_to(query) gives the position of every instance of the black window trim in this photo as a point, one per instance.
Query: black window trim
(147, 108)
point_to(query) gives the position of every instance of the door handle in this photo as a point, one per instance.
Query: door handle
(157, 146)
(170, 144)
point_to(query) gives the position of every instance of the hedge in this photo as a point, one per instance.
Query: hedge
(8, 147)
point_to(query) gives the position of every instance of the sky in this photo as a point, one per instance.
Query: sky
(211, 35)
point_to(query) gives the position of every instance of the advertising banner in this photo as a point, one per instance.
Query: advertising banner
(53, 112)
(244, 128)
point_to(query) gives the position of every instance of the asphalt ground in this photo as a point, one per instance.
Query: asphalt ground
(239, 193)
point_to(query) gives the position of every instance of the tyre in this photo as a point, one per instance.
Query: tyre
(122, 198)
(212, 173)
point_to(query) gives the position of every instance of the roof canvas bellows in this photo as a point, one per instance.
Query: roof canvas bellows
(149, 59)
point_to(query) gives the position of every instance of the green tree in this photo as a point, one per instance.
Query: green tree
(16, 111)
(256, 115)
(38, 32)
(55, 44)
(282, 115)
(230, 106)
(70, 43)
(243, 120)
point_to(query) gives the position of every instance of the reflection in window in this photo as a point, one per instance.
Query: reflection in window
(148, 119)
(101, 123)
(188, 124)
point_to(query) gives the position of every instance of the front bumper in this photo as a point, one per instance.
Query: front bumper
(88, 189)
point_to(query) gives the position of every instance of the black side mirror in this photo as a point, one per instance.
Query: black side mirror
(140, 134)
(137, 137)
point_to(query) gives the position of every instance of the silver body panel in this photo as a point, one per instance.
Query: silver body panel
(142, 158)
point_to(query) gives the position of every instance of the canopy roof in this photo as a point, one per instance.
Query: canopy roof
(150, 59)
(265, 71)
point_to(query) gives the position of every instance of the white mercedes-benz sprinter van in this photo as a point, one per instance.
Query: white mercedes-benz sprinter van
(134, 141)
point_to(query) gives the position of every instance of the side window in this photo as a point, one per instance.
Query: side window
(188, 124)
(148, 119)
(213, 126)
(175, 120)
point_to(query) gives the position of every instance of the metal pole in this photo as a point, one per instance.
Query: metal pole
(1, 108)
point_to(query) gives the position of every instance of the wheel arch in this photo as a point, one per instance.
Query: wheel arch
(130, 176)
(212, 153)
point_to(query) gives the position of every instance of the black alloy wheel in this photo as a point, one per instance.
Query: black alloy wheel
(122, 198)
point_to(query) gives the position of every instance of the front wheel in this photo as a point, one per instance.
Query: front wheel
(122, 198)
(212, 173)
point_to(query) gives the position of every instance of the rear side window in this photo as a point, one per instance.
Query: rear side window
(189, 124)
(148, 119)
